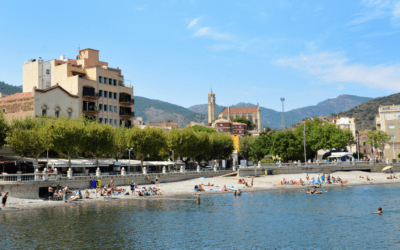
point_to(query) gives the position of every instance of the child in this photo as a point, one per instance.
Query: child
(379, 210)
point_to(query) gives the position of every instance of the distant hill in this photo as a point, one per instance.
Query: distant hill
(203, 109)
(154, 110)
(9, 89)
(272, 118)
(365, 113)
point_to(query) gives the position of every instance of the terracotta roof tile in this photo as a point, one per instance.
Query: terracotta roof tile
(234, 110)
(17, 96)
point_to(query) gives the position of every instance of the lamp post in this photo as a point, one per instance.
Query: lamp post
(129, 164)
(393, 148)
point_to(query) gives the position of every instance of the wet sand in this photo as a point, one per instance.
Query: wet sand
(185, 189)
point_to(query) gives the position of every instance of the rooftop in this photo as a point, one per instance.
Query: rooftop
(234, 110)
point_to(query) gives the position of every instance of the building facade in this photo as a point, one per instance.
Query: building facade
(51, 101)
(233, 128)
(211, 107)
(364, 146)
(349, 124)
(166, 125)
(250, 113)
(103, 95)
(388, 121)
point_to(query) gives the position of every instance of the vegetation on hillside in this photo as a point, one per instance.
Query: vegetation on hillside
(365, 113)
(9, 89)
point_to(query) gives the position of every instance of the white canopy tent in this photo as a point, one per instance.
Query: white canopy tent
(340, 155)
(86, 163)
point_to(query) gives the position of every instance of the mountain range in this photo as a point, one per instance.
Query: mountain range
(155, 110)
(273, 119)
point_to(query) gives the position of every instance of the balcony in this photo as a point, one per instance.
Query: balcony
(91, 110)
(92, 96)
(127, 114)
(126, 101)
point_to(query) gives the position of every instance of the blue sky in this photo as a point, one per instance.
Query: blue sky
(246, 51)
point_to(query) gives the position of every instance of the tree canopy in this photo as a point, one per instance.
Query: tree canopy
(250, 125)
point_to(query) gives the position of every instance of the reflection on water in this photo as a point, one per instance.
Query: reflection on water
(340, 218)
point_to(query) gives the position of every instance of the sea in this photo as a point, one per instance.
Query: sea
(342, 218)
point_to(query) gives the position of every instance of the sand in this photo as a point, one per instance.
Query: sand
(186, 188)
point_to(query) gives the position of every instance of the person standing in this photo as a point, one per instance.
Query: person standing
(50, 192)
(132, 187)
(4, 200)
(157, 180)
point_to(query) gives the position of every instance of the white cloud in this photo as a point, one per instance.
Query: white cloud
(335, 68)
(207, 31)
(377, 9)
(193, 23)
(380, 34)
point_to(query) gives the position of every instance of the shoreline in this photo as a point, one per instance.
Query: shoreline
(185, 189)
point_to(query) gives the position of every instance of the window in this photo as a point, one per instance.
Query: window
(240, 126)
(4, 111)
(364, 144)
(392, 136)
(100, 120)
(100, 79)
(220, 124)
(115, 109)
(110, 81)
(110, 94)
(115, 95)
(69, 113)
(105, 93)
(365, 151)
(105, 107)
(100, 106)
(105, 80)
(110, 108)
(47, 72)
(101, 93)
(115, 122)
(391, 126)
(115, 82)
(220, 130)
(44, 111)
(57, 113)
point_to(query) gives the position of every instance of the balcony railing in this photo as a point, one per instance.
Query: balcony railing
(91, 109)
(127, 113)
(127, 101)
(90, 95)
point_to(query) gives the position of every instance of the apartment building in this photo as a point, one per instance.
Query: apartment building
(233, 128)
(349, 124)
(364, 146)
(388, 121)
(102, 93)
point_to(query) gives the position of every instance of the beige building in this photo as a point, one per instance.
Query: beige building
(101, 90)
(250, 113)
(350, 124)
(52, 101)
(165, 125)
(364, 146)
(388, 121)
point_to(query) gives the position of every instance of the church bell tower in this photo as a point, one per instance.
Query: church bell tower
(211, 107)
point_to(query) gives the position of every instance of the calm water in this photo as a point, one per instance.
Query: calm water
(343, 218)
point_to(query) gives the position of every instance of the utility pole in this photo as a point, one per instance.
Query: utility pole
(304, 134)
(283, 115)
(358, 146)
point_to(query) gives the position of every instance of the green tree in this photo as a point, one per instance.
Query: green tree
(221, 145)
(3, 129)
(378, 139)
(180, 140)
(198, 128)
(67, 135)
(146, 142)
(29, 137)
(121, 142)
(245, 145)
(286, 145)
(97, 140)
(250, 125)
(261, 147)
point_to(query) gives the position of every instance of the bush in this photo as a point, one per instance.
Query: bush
(394, 160)
(267, 160)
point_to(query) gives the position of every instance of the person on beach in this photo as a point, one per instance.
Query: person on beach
(4, 200)
(323, 176)
(86, 194)
(252, 179)
(65, 191)
(307, 177)
(224, 188)
(111, 184)
(50, 192)
(379, 210)
(133, 187)
(157, 180)
(80, 194)
(239, 192)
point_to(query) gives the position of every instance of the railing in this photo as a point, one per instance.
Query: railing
(130, 101)
(326, 164)
(127, 113)
(40, 177)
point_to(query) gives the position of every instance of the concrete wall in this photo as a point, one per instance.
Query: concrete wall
(30, 190)
(56, 99)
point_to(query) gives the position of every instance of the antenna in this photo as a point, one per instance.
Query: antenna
(283, 114)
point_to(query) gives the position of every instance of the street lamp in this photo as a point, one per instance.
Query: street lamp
(304, 134)
(129, 164)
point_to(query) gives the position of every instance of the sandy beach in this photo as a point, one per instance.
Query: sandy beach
(185, 189)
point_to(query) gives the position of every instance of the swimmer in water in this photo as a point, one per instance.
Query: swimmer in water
(325, 190)
(379, 210)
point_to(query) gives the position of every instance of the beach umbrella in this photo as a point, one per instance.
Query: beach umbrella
(386, 168)
(202, 178)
